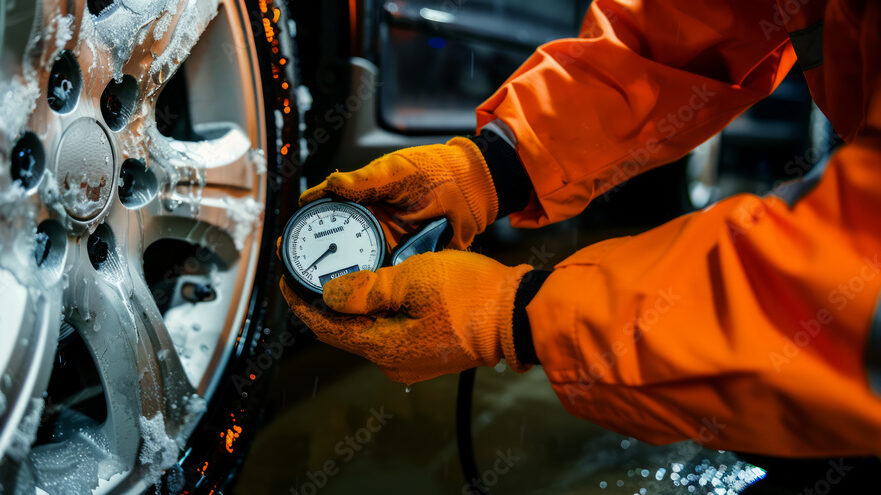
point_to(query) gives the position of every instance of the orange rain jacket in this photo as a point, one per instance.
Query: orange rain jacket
(752, 325)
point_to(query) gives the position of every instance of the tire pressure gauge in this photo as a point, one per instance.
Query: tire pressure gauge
(330, 238)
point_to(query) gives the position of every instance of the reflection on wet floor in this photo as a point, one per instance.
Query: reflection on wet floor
(362, 432)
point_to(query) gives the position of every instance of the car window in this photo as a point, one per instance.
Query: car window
(439, 59)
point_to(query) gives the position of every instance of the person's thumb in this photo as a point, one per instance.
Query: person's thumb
(362, 293)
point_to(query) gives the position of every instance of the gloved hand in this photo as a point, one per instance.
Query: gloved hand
(408, 187)
(434, 314)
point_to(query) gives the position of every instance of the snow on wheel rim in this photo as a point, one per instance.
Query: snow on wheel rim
(110, 354)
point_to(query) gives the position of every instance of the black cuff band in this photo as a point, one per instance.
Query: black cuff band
(529, 286)
(513, 187)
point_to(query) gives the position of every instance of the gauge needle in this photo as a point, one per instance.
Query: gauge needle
(330, 249)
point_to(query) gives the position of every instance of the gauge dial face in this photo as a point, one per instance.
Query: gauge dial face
(328, 239)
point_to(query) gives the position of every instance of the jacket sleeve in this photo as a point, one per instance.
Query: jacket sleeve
(644, 84)
(752, 325)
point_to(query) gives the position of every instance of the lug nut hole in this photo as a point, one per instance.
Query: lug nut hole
(28, 160)
(118, 102)
(137, 184)
(98, 6)
(50, 246)
(100, 246)
(65, 83)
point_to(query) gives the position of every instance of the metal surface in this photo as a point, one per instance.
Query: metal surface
(430, 238)
(85, 168)
(73, 250)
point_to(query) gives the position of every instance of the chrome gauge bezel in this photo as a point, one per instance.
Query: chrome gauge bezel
(293, 275)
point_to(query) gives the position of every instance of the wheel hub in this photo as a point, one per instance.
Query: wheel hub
(85, 169)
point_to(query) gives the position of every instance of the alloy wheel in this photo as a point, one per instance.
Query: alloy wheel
(128, 247)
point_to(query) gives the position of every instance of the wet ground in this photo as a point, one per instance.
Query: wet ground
(525, 442)
(339, 426)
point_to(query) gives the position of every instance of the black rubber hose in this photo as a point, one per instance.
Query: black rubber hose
(464, 438)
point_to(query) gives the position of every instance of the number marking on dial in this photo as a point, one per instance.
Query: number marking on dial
(321, 248)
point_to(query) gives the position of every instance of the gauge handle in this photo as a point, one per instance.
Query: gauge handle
(430, 238)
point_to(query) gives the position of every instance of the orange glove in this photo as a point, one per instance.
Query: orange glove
(434, 314)
(408, 187)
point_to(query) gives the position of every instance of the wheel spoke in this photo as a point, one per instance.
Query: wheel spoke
(140, 330)
(176, 32)
(112, 339)
(113, 311)
(150, 39)
(213, 180)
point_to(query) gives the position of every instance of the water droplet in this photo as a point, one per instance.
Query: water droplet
(603, 484)
(644, 473)
(620, 483)
(406, 390)
(625, 443)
